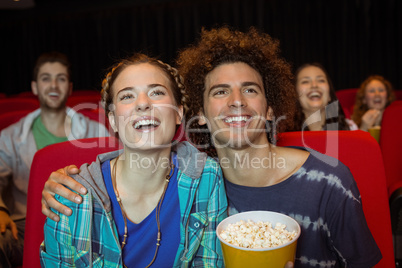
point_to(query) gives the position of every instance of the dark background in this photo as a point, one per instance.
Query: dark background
(351, 38)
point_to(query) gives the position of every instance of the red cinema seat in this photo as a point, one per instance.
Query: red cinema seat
(362, 154)
(398, 94)
(391, 143)
(46, 161)
(9, 118)
(26, 94)
(391, 146)
(15, 104)
(84, 101)
(347, 98)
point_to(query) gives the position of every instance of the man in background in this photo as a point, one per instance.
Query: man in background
(53, 122)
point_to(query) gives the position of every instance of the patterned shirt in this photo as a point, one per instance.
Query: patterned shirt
(323, 198)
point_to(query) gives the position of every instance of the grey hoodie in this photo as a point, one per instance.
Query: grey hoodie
(17, 149)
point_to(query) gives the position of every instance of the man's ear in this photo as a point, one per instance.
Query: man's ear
(34, 87)
(70, 89)
(179, 115)
(112, 121)
(201, 119)
(270, 114)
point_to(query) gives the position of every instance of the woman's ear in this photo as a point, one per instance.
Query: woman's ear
(270, 114)
(112, 121)
(179, 115)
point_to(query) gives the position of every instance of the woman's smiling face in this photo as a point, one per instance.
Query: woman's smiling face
(313, 89)
(375, 95)
(145, 114)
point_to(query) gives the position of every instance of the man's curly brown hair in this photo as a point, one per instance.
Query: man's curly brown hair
(224, 45)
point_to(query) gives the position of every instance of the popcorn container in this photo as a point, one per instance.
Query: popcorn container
(273, 257)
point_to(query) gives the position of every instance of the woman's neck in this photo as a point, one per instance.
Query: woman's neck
(140, 179)
(143, 171)
(315, 120)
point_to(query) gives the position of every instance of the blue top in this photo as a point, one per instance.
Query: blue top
(141, 240)
(325, 201)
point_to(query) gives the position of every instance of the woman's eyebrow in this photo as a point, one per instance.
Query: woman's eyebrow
(125, 89)
(156, 85)
(150, 86)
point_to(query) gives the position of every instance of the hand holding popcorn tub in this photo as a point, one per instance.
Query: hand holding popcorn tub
(258, 239)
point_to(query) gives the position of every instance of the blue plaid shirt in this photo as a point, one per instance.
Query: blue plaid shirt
(88, 238)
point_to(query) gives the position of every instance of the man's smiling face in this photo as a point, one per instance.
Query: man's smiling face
(235, 107)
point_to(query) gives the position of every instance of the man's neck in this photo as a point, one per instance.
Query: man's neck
(56, 122)
(259, 167)
(247, 166)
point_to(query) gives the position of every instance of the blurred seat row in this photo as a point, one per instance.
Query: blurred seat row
(28, 101)
(29, 94)
(15, 107)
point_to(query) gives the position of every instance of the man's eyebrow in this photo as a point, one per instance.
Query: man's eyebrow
(44, 74)
(218, 86)
(48, 74)
(245, 84)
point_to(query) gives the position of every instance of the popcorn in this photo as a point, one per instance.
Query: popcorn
(258, 234)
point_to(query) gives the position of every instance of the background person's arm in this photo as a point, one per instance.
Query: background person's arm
(369, 119)
(8, 159)
(7, 223)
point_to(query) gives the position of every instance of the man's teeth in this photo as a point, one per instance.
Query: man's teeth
(236, 119)
(146, 123)
(53, 94)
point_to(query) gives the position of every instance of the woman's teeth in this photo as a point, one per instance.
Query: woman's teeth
(315, 95)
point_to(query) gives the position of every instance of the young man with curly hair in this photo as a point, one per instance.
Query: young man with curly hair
(240, 96)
